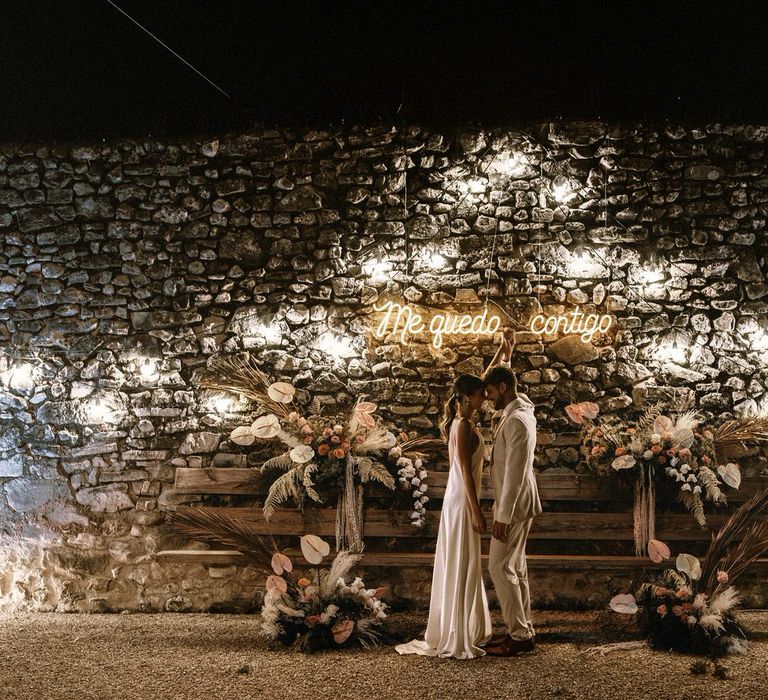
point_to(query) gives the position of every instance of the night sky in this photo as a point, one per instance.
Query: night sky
(81, 70)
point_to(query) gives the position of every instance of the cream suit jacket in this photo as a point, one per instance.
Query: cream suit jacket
(512, 474)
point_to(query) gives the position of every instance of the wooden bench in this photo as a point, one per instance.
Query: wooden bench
(584, 514)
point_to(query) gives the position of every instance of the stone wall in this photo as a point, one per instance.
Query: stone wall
(125, 267)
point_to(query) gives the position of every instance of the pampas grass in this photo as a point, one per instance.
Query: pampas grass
(340, 567)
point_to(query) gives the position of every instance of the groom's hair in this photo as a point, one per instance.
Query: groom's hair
(501, 375)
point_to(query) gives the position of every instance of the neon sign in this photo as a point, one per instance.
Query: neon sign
(574, 322)
(405, 320)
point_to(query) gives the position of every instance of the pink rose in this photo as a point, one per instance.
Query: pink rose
(335, 439)
(662, 610)
(722, 577)
(293, 417)
(306, 430)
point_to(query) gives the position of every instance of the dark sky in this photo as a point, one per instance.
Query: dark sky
(78, 69)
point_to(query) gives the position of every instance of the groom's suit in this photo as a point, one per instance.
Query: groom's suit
(516, 504)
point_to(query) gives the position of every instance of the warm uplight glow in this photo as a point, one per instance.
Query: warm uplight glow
(335, 345)
(477, 185)
(148, 368)
(580, 264)
(99, 412)
(508, 164)
(406, 321)
(573, 323)
(651, 275)
(760, 340)
(271, 334)
(378, 270)
(672, 352)
(436, 261)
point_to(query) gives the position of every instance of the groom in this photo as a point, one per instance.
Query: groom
(516, 504)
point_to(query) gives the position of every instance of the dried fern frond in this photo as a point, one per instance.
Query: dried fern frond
(741, 540)
(695, 505)
(240, 374)
(284, 487)
(711, 485)
(645, 423)
(378, 472)
(308, 484)
(282, 461)
(746, 429)
(214, 527)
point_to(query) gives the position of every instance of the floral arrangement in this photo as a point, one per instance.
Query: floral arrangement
(317, 611)
(692, 607)
(681, 449)
(324, 455)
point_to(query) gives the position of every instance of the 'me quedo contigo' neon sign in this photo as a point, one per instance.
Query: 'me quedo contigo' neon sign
(405, 320)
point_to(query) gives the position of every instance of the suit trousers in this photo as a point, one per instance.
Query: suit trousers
(509, 573)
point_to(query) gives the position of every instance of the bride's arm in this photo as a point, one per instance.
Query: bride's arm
(504, 353)
(464, 453)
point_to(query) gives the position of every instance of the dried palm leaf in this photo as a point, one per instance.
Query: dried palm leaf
(741, 430)
(740, 541)
(423, 446)
(240, 374)
(214, 527)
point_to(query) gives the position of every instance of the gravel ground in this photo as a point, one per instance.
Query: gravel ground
(185, 656)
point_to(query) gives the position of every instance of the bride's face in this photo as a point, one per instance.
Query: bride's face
(477, 398)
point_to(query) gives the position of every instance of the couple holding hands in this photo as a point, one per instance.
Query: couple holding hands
(459, 623)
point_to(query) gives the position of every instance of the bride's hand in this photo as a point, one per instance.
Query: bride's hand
(478, 522)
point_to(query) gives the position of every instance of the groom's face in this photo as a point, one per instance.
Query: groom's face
(495, 395)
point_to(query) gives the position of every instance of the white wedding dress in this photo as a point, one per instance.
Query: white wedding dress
(459, 621)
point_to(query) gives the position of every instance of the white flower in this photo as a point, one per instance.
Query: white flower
(673, 472)
(423, 499)
(674, 461)
(301, 454)
(423, 474)
(655, 439)
(668, 471)
(647, 454)
(692, 478)
(691, 620)
(680, 477)
(423, 488)
(697, 489)
(685, 469)
(418, 464)
(415, 481)
(415, 515)
(685, 487)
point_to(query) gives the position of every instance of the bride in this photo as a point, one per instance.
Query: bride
(459, 622)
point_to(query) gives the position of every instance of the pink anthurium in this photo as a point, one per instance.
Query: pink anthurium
(589, 410)
(342, 630)
(624, 603)
(658, 551)
(574, 413)
(281, 563)
(276, 583)
(363, 411)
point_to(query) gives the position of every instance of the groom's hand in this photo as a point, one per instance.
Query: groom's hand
(500, 531)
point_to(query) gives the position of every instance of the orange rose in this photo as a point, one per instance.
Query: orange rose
(323, 449)
(304, 582)
(620, 451)
(656, 449)
(339, 453)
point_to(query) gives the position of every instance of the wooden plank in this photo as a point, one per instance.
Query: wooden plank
(535, 561)
(552, 487)
(548, 526)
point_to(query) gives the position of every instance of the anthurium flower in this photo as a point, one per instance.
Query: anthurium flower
(657, 551)
(281, 563)
(730, 474)
(342, 630)
(301, 454)
(281, 392)
(363, 413)
(314, 549)
(689, 565)
(242, 435)
(276, 583)
(624, 603)
(266, 427)
(623, 462)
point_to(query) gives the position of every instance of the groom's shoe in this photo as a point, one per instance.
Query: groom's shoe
(511, 647)
(496, 639)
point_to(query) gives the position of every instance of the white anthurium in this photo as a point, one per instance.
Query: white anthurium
(663, 425)
(281, 392)
(624, 603)
(623, 462)
(302, 454)
(689, 565)
(730, 474)
(314, 549)
(682, 437)
(242, 436)
(391, 440)
(266, 427)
